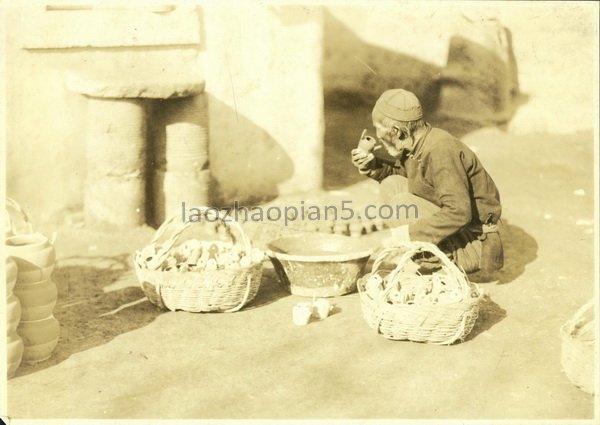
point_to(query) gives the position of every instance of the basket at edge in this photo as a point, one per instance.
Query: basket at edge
(577, 357)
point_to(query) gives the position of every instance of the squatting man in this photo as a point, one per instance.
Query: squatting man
(458, 202)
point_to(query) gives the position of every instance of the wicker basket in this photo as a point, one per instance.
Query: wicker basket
(430, 323)
(225, 290)
(578, 344)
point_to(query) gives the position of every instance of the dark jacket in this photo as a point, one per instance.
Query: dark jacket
(443, 170)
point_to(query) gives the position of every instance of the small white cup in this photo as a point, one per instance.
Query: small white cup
(301, 313)
(322, 308)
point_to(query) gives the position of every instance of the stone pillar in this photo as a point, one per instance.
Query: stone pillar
(181, 166)
(116, 185)
(116, 158)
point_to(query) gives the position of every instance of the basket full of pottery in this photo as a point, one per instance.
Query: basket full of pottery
(414, 292)
(579, 348)
(200, 274)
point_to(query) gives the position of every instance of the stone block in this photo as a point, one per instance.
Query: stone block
(136, 83)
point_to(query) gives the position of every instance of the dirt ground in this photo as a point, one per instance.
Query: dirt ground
(119, 357)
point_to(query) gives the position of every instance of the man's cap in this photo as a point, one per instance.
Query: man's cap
(399, 105)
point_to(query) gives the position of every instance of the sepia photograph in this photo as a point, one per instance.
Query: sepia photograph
(309, 211)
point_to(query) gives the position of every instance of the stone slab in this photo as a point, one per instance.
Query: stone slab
(152, 84)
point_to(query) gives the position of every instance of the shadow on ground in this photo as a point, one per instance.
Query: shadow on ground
(270, 289)
(520, 249)
(490, 313)
(88, 310)
(252, 164)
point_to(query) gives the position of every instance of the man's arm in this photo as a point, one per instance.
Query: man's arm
(381, 169)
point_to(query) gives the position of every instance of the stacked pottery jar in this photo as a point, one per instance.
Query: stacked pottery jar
(14, 343)
(34, 256)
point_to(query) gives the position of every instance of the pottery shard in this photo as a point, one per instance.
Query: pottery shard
(155, 85)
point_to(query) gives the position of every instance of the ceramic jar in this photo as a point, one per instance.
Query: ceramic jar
(301, 313)
(40, 338)
(34, 255)
(37, 299)
(14, 353)
(14, 344)
(11, 273)
(13, 312)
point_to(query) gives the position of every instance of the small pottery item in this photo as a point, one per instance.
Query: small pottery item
(367, 144)
(301, 313)
(322, 307)
(37, 299)
(33, 253)
(40, 338)
(35, 274)
(28, 242)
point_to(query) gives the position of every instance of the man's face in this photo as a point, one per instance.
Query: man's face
(388, 138)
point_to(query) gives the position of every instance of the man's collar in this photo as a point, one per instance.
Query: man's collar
(416, 149)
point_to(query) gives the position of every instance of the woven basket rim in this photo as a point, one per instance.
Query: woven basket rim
(469, 301)
(568, 328)
(252, 265)
(408, 250)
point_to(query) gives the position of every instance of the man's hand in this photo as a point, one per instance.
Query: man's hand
(362, 160)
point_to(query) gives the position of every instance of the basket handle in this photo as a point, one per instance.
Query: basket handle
(382, 256)
(245, 298)
(412, 248)
(581, 311)
(229, 223)
(10, 224)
